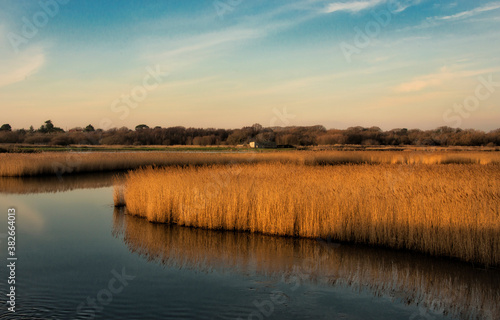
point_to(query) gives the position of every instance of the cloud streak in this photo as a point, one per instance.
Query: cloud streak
(352, 6)
(439, 78)
(465, 14)
(20, 67)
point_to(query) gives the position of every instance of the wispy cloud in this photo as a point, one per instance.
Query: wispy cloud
(16, 68)
(190, 49)
(209, 40)
(465, 14)
(179, 54)
(189, 82)
(352, 6)
(401, 6)
(444, 75)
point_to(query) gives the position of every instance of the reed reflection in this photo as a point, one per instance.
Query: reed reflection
(53, 183)
(441, 285)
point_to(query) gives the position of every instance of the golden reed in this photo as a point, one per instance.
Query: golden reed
(444, 210)
(64, 163)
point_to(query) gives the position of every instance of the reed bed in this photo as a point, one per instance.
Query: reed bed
(440, 285)
(65, 163)
(443, 210)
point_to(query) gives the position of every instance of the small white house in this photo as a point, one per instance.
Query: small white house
(269, 144)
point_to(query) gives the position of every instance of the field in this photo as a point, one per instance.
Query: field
(400, 201)
(64, 163)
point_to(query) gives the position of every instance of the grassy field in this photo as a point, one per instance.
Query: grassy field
(405, 203)
(63, 163)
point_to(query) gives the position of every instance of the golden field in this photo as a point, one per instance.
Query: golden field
(445, 210)
(64, 163)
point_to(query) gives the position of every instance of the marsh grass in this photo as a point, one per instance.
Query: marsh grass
(118, 194)
(65, 163)
(444, 210)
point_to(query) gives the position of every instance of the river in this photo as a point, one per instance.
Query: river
(80, 258)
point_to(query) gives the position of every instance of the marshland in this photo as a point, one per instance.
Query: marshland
(64, 163)
(399, 233)
(441, 203)
(228, 159)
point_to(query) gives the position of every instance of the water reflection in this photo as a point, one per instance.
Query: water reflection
(448, 287)
(53, 183)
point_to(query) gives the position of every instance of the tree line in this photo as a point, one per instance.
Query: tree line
(49, 134)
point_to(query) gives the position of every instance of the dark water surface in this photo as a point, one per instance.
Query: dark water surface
(79, 258)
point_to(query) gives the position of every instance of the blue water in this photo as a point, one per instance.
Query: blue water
(78, 258)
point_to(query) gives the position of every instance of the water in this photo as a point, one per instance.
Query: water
(79, 258)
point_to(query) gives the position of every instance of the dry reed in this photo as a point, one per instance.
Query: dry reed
(443, 210)
(64, 163)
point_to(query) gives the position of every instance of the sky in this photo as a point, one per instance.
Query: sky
(232, 63)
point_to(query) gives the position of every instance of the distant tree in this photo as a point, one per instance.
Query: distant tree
(10, 137)
(61, 140)
(257, 127)
(38, 139)
(6, 127)
(238, 136)
(89, 128)
(49, 126)
(31, 130)
(141, 127)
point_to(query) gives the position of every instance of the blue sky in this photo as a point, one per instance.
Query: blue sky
(230, 63)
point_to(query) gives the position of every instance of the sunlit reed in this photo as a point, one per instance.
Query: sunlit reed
(66, 163)
(443, 210)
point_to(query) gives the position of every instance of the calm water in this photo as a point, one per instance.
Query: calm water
(78, 258)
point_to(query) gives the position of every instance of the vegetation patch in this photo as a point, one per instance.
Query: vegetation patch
(443, 210)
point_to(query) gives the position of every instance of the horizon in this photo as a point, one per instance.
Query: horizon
(67, 128)
(224, 64)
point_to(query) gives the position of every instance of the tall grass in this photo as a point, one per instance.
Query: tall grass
(445, 210)
(455, 289)
(64, 163)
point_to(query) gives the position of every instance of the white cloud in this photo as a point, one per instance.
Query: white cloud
(437, 79)
(436, 21)
(357, 6)
(352, 6)
(465, 14)
(403, 5)
(190, 49)
(209, 40)
(17, 67)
